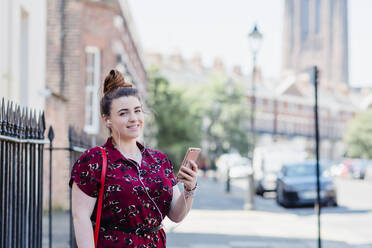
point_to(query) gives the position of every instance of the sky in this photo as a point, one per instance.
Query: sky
(220, 28)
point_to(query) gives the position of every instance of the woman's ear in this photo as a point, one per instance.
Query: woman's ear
(106, 120)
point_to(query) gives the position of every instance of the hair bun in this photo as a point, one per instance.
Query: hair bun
(113, 81)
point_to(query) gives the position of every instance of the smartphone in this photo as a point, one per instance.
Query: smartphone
(191, 154)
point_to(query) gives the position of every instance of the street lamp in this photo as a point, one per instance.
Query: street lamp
(255, 41)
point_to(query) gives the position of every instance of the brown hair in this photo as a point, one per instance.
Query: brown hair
(114, 87)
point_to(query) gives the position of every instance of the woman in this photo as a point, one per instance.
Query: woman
(140, 187)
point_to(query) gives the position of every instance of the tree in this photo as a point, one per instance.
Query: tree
(229, 116)
(176, 127)
(358, 136)
(222, 108)
(213, 115)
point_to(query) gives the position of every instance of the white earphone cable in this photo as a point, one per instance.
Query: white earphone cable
(145, 189)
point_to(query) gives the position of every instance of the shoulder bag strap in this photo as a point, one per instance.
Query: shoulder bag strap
(100, 197)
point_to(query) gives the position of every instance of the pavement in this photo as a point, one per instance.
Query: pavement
(218, 220)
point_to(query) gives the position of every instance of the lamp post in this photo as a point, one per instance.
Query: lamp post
(255, 40)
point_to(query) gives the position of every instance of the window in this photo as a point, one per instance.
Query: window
(93, 68)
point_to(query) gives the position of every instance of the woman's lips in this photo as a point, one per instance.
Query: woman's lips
(133, 127)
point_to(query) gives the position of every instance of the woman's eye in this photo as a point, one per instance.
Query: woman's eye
(121, 114)
(138, 111)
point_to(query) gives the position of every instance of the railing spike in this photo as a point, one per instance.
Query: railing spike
(21, 126)
(28, 124)
(34, 125)
(7, 111)
(43, 121)
(17, 121)
(11, 120)
(51, 134)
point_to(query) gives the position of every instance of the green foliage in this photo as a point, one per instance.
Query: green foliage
(212, 115)
(227, 114)
(176, 127)
(359, 136)
(222, 108)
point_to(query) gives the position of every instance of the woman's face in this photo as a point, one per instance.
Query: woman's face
(126, 117)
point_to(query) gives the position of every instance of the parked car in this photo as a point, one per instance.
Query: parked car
(267, 162)
(296, 185)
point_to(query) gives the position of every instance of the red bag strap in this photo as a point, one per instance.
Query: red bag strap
(100, 197)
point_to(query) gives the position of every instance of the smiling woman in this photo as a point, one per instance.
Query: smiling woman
(139, 187)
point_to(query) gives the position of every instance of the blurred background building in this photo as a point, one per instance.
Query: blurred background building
(22, 52)
(315, 33)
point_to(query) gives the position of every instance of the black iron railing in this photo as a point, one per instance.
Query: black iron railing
(21, 176)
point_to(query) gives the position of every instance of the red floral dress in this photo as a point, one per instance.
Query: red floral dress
(126, 203)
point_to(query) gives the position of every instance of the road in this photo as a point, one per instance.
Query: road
(218, 220)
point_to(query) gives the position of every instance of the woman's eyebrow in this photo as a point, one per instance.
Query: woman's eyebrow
(125, 109)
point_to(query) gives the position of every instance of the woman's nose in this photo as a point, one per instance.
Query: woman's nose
(132, 117)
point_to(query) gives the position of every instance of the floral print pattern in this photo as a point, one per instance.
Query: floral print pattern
(135, 196)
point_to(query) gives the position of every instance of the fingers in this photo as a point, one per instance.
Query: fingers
(184, 176)
(188, 174)
(193, 165)
(190, 171)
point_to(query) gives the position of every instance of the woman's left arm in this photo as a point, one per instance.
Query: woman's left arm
(182, 201)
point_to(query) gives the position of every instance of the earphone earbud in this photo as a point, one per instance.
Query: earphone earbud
(108, 122)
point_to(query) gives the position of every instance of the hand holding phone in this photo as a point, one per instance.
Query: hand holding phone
(191, 154)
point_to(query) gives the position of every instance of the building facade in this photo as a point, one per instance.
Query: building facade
(316, 33)
(22, 52)
(284, 106)
(85, 39)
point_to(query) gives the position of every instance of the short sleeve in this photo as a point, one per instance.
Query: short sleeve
(86, 172)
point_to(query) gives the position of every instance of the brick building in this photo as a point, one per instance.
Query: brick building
(85, 39)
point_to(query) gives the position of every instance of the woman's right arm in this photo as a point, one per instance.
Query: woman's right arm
(82, 208)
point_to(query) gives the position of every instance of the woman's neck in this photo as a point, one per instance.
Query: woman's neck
(128, 147)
